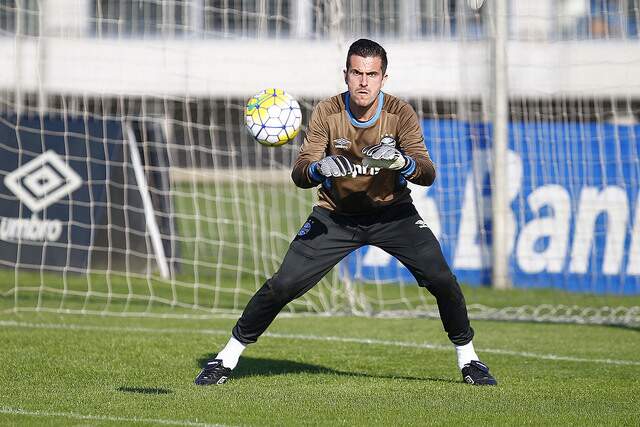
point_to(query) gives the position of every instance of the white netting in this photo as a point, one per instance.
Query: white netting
(129, 185)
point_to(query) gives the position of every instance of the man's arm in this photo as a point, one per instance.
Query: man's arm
(419, 168)
(312, 150)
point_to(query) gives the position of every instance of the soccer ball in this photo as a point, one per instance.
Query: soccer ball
(273, 117)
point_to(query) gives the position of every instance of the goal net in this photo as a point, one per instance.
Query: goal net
(128, 185)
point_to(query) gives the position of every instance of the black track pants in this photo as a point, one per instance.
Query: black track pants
(327, 237)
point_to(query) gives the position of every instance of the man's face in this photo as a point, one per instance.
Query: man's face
(364, 79)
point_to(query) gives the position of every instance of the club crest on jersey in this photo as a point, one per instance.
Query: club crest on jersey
(388, 140)
(342, 143)
(305, 228)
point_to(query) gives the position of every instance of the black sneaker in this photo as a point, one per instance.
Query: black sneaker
(477, 373)
(213, 373)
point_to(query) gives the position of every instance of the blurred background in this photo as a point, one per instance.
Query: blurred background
(155, 198)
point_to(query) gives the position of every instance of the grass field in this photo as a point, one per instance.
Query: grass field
(90, 370)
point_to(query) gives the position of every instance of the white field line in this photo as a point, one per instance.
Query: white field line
(352, 340)
(75, 416)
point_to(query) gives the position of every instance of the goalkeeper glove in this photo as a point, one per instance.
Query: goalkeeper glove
(384, 156)
(330, 166)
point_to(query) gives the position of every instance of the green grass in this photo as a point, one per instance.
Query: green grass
(116, 293)
(66, 370)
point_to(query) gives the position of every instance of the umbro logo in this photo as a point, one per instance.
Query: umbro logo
(43, 181)
(421, 224)
(342, 143)
(37, 184)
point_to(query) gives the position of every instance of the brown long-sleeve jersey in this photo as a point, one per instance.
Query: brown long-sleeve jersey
(333, 131)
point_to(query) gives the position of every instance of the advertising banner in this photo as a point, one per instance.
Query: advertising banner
(53, 178)
(69, 197)
(574, 217)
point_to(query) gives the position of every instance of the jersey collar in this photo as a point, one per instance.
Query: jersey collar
(369, 122)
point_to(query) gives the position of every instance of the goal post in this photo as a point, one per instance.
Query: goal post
(500, 141)
(149, 211)
(155, 201)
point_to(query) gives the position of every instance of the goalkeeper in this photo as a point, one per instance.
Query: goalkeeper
(361, 148)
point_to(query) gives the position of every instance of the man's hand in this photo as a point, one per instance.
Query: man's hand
(383, 156)
(332, 166)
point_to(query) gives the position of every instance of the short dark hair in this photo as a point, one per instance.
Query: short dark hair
(367, 48)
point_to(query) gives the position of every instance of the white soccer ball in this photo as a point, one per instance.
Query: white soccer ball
(273, 117)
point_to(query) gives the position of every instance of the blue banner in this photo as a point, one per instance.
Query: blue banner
(574, 212)
(53, 183)
(69, 196)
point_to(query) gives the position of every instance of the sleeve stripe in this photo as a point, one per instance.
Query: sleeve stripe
(313, 173)
(410, 168)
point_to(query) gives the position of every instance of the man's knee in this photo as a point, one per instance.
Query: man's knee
(442, 282)
(281, 289)
(436, 279)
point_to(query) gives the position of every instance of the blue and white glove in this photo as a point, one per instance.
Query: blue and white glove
(388, 157)
(330, 166)
(384, 156)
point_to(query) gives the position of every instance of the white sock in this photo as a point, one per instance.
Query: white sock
(231, 353)
(466, 354)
